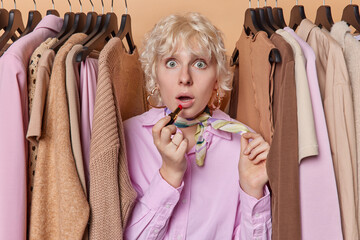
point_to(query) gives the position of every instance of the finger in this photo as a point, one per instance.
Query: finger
(182, 147)
(178, 137)
(264, 146)
(156, 130)
(249, 135)
(259, 158)
(253, 144)
(244, 143)
(166, 134)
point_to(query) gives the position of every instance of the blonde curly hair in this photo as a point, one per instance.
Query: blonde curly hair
(193, 31)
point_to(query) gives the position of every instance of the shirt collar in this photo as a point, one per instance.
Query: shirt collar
(151, 117)
(51, 22)
(305, 28)
(339, 31)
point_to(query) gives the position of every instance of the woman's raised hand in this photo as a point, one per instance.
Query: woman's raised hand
(172, 151)
(252, 164)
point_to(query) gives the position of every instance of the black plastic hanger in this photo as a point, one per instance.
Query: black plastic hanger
(125, 31)
(351, 16)
(323, 17)
(90, 20)
(98, 42)
(53, 10)
(34, 18)
(297, 14)
(278, 16)
(14, 28)
(4, 17)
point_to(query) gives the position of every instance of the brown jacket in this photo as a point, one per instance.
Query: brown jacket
(59, 206)
(282, 162)
(255, 83)
(112, 196)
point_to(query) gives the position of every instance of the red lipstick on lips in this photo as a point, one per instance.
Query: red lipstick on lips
(174, 115)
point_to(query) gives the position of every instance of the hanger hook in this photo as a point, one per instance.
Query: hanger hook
(53, 4)
(258, 3)
(275, 3)
(92, 5)
(112, 5)
(80, 5)
(249, 3)
(323, 2)
(14, 4)
(297, 2)
(102, 5)
(69, 4)
(2, 4)
(265, 3)
(34, 4)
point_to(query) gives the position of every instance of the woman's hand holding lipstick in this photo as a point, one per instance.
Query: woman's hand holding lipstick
(172, 151)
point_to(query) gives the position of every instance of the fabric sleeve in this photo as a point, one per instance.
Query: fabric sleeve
(13, 147)
(254, 217)
(153, 210)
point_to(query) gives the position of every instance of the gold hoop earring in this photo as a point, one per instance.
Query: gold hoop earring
(151, 98)
(217, 100)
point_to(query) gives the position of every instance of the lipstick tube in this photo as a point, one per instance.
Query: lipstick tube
(174, 115)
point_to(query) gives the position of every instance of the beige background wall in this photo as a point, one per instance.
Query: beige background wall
(225, 14)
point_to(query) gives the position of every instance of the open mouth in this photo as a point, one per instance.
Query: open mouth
(186, 100)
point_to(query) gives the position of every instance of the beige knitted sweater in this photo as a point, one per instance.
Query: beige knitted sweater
(111, 193)
(59, 206)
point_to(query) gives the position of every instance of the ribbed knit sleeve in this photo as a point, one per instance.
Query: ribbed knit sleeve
(111, 197)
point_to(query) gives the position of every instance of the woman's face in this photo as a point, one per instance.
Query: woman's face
(187, 79)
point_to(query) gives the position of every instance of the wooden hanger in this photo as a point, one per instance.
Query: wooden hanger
(100, 39)
(250, 23)
(4, 18)
(260, 17)
(125, 31)
(14, 28)
(52, 11)
(100, 22)
(297, 14)
(251, 27)
(67, 23)
(78, 26)
(324, 18)
(270, 18)
(351, 16)
(34, 18)
(278, 16)
(90, 20)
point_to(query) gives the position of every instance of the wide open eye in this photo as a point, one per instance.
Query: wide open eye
(171, 64)
(201, 64)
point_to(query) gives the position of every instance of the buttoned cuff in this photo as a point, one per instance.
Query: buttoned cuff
(257, 209)
(256, 212)
(161, 194)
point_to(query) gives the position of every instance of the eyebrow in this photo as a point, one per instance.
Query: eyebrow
(176, 55)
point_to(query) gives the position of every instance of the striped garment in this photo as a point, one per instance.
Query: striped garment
(203, 121)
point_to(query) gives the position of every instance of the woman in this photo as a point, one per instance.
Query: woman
(195, 179)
